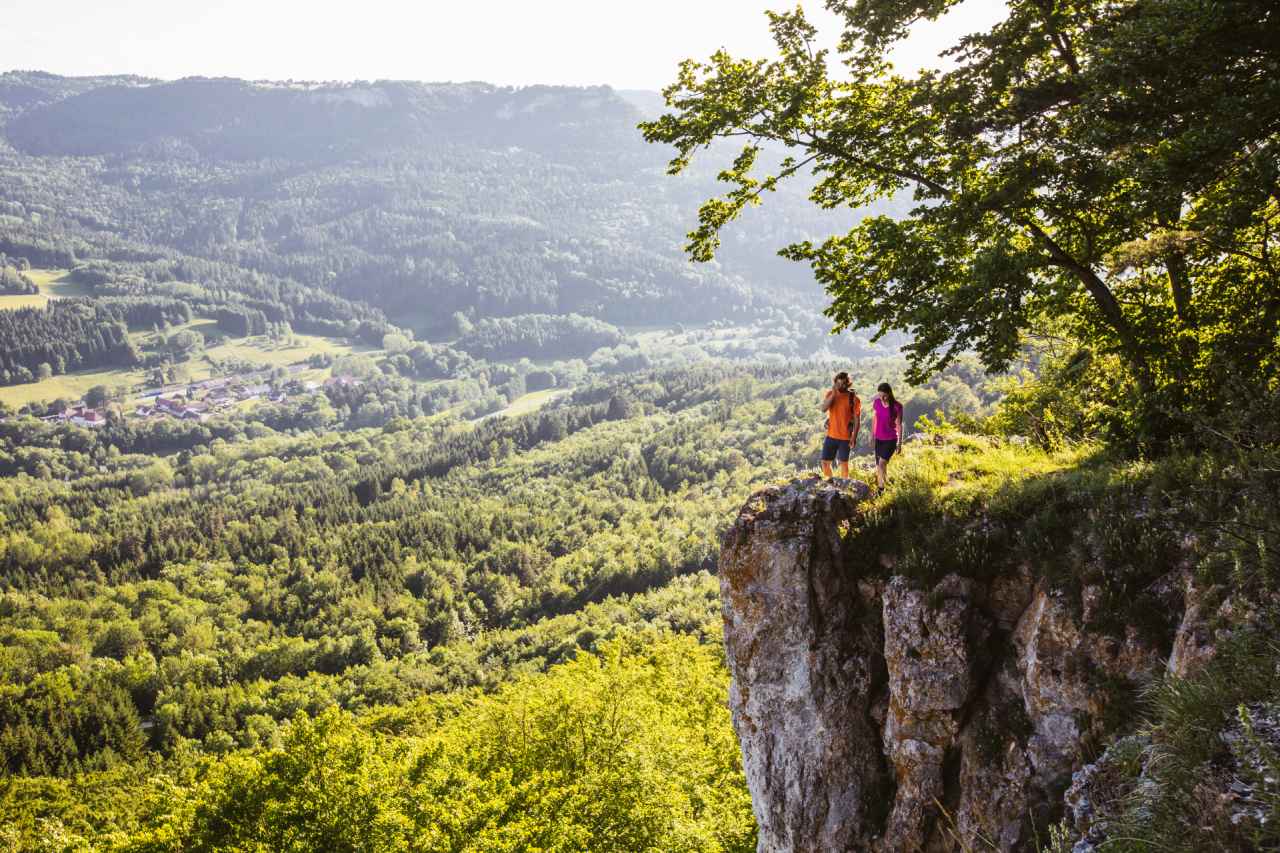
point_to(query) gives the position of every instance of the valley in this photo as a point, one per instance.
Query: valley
(386, 448)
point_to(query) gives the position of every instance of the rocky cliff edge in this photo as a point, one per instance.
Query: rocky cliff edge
(884, 713)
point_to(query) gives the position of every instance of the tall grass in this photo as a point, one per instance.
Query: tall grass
(1184, 770)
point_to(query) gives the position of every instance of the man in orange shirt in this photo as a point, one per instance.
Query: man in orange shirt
(844, 420)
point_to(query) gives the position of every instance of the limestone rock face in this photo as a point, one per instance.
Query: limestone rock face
(1192, 645)
(1053, 665)
(877, 712)
(1209, 618)
(1098, 790)
(804, 650)
(931, 640)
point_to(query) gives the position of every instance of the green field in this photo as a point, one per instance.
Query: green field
(530, 402)
(71, 386)
(261, 350)
(258, 351)
(53, 284)
(533, 401)
(58, 284)
(14, 301)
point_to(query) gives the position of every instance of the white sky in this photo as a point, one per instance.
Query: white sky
(634, 44)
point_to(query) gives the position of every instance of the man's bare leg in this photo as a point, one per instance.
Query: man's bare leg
(826, 470)
(844, 470)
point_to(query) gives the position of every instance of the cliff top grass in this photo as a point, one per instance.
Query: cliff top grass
(980, 506)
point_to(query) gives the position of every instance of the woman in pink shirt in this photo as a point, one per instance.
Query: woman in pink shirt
(886, 429)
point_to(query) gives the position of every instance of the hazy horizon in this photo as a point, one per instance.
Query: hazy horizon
(559, 42)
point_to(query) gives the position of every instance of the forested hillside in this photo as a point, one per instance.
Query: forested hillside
(420, 200)
(174, 600)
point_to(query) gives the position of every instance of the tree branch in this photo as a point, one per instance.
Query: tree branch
(831, 150)
(1060, 41)
(1102, 297)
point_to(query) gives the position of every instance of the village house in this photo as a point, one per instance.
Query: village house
(171, 406)
(199, 401)
(79, 415)
(89, 418)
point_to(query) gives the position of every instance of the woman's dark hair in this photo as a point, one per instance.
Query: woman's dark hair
(893, 403)
(845, 376)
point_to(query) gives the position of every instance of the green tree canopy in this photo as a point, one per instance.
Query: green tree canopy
(98, 395)
(1103, 170)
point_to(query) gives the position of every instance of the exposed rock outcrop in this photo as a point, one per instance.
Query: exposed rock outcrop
(803, 643)
(880, 712)
(932, 643)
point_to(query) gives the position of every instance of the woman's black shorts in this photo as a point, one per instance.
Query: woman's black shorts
(835, 448)
(885, 448)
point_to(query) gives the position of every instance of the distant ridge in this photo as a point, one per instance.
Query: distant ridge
(649, 104)
(417, 200)
(225, 118)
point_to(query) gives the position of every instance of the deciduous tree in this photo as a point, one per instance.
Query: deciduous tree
(1107, 167)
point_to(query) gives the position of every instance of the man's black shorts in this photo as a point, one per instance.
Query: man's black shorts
(885, 448)
(835, 448)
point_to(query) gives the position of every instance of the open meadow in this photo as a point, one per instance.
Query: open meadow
(53, 284)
